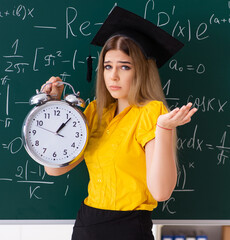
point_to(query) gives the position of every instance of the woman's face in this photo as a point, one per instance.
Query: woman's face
(118, 74)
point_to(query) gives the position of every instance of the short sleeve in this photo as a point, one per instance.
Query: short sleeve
(90, 113)
(148, 120)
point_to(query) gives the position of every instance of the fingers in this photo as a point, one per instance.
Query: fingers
(54, 81)
(180, 112)
(184, 114)
(177, 117)
(54, 88)
(184, 111)
(188, 117)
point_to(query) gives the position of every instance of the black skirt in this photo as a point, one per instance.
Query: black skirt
(97, 224)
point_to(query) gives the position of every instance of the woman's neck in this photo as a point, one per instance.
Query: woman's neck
(121, 105)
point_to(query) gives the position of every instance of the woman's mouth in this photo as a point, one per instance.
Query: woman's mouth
(114, 88)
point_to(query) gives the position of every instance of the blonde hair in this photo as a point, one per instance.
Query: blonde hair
(146, 85)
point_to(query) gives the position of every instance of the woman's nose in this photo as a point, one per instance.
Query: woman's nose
(114, 75)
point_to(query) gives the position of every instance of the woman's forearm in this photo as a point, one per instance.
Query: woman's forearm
(161, 164)
(60, 171)
(161, 152)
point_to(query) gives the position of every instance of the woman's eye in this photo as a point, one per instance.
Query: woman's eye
(107, 67)
(125, 67)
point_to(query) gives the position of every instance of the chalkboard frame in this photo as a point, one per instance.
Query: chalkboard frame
(189, 76)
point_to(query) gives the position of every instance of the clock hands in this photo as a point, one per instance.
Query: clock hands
(62, 125)
(51, 131)
(59, 129)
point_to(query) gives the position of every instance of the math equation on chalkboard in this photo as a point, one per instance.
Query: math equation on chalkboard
(50, 38)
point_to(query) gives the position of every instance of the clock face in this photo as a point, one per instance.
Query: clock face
(55, 133)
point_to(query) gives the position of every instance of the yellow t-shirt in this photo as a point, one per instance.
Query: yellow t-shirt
(115, 156)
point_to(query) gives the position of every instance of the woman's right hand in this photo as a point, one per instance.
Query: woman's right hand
(54, 89)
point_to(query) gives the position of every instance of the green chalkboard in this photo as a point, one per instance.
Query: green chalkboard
(40, 39)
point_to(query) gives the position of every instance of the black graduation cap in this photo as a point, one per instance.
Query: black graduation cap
(154, 42)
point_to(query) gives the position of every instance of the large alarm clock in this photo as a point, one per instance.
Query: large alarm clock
(55, 132)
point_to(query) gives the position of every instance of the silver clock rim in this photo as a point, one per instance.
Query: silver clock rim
(25, 140)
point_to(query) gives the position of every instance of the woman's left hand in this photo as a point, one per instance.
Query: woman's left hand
(177, 117)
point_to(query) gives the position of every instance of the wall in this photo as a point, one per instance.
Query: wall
(38, 232)
(35, 232)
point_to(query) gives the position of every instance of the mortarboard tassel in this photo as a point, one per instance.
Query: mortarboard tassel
(89, 68)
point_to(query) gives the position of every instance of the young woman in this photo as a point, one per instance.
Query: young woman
(131, 153)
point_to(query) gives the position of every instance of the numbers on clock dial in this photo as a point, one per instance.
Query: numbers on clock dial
(39, 123)
(47, 115)
(57, 113)
(56, 133)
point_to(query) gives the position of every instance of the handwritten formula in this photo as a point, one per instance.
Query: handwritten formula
(39, 40)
